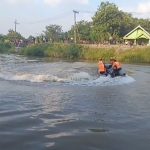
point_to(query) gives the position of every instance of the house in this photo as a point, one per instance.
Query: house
(138, 36)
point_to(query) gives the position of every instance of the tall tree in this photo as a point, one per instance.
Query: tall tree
(107, 20)
(127, 24)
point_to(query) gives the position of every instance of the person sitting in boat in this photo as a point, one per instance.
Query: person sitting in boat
(101, 67)
(116, 67)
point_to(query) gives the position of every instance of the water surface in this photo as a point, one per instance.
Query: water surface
(65, 105)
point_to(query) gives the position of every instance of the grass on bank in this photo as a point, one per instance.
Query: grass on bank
(74, 51)
(135, 55)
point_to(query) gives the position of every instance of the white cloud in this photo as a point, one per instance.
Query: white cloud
(16, 1)
(144, 7)
(56, 2)
(142, 10)
(86, 17)
(20, 2)
(52, 2)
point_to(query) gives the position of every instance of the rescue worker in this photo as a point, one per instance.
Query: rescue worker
(116, 67)
(101, 67)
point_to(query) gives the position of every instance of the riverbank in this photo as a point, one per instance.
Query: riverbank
(126, 54)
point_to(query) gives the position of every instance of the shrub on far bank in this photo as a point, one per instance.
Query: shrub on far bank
(60, 50)
(135, 55)
(34, 50)
(6, 47)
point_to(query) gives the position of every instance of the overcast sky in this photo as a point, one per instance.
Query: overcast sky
(34, 15)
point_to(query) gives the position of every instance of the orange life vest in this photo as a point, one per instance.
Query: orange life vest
(101, 66)
(117, 65)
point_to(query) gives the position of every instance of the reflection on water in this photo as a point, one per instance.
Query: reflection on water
(62, 134)
(49, 144)
(43, 115)
(98, 130)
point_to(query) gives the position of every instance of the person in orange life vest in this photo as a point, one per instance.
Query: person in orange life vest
(116, 66)
(101, 67)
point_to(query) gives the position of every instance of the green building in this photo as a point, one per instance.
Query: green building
(138, 36)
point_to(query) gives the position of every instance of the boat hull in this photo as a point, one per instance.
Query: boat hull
(110, 71)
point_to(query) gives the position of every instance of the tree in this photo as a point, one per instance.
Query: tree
(2, 38)
(71, 34)
(12, 35)
(83, 30)
(107, 21)
(53, 32)
(127, 24)
(145, 23)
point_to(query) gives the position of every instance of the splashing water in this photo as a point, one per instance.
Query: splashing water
(65, 73)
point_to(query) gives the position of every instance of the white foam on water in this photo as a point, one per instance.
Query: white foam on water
(31, 77)
(17, 68)
(108, 81)
(80, 79)
(80, 76)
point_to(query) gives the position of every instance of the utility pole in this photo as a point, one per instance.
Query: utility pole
(15, 30)
(75, 35)
(15, 24)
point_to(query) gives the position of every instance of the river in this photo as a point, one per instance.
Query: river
(64, 105)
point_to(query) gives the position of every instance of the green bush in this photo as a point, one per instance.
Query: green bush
(6, 47)
(34, 50)
(64, 50)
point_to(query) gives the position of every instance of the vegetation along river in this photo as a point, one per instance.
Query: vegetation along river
(64, 105)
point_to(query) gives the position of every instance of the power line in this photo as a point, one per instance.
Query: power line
(60, 16)
(84, 11)
(135, 13)
(69, 13)
(51, 18)
(27, 29)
